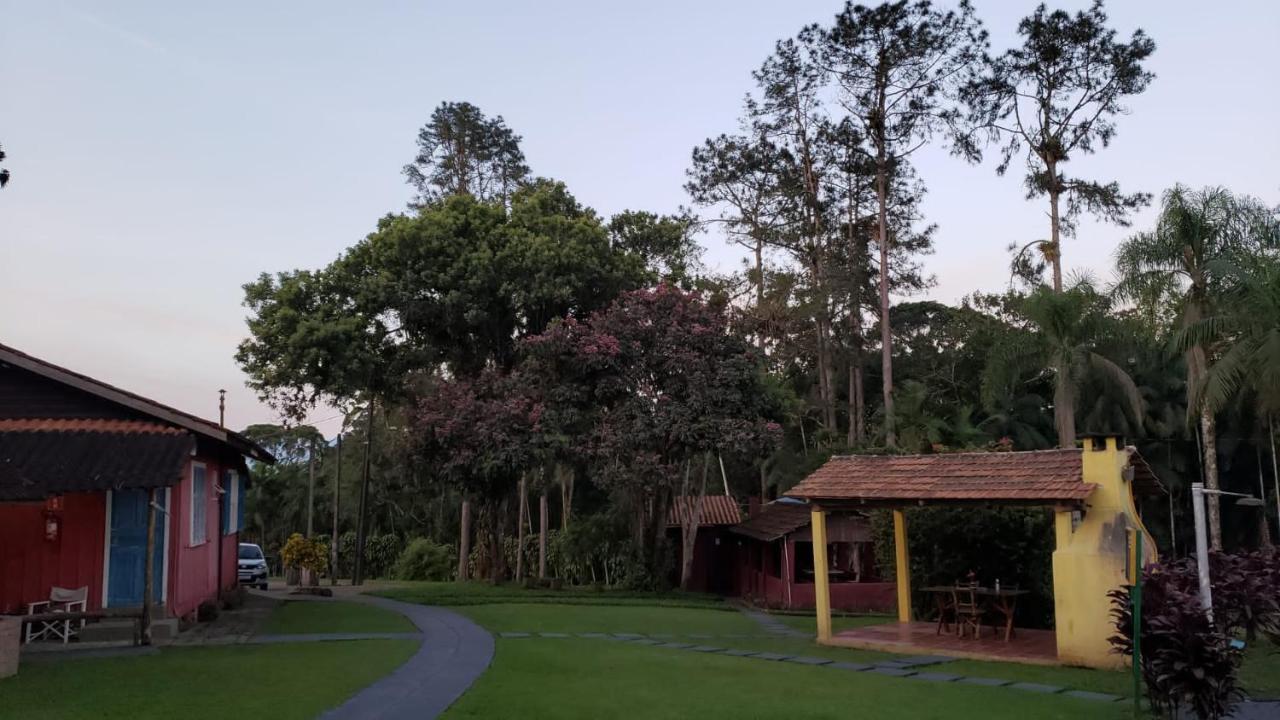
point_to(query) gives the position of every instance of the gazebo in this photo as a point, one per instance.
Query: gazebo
(1091, 492)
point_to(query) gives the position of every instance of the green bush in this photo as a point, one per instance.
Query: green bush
(380, 554)
(1012, 545)
(424, 559)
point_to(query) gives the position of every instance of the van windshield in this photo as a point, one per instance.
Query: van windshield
(250, 552)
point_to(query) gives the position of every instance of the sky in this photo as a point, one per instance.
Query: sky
(163, 154)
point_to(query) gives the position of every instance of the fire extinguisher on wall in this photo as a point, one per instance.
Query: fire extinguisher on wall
(52, 519)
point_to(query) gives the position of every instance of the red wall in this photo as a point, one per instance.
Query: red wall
(193, 570)
(31, 565)
(766, 588)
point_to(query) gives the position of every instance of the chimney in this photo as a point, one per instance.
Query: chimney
(753, 505)
(222, 408)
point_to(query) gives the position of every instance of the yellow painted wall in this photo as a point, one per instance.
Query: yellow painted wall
(1091, 558)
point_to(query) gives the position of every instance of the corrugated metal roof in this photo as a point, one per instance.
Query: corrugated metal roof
(40, 457)
(1039, 476)
(716, 510)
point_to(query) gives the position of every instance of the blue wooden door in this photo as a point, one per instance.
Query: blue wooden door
(126, 575)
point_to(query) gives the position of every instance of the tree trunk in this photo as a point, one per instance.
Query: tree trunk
(337, 493)
(542, 534)
(1064, 412)
(566, 494)
(690, 521)
(857, 427)
(1209, 432)
(464, 540)
(357, 577)
(520, 531)
(1055, 226)
(497, 554)
(886, 331)
(764, 482)
(311, 489)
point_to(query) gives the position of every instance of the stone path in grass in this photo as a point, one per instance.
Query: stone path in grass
(772, 624)
(915, 667)
(454, 653)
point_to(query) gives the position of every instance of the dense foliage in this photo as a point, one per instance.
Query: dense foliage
(1189, 662)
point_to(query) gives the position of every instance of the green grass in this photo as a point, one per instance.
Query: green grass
(317, 616)
(281, 682)
(543, 617)
(483, 593)
(1260, 671)
(809, 623)
(534, 679)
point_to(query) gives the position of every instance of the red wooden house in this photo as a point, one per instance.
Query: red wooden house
(713, 550)
(774, 565)
(78, 461)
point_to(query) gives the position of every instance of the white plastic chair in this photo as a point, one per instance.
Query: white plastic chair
(61, 600)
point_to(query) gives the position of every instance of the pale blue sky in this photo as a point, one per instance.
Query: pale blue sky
(164, 153)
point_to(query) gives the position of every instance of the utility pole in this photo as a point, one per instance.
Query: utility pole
(337, 490)
(311, 488)
(357, 577)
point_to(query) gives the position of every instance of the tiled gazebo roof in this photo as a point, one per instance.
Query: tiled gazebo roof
(1044, 477)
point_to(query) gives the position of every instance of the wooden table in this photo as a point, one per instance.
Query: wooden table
(1002, 601)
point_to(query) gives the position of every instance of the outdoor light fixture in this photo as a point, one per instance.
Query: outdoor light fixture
(1198, 492)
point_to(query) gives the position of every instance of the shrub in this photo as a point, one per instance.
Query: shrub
(381, 553)
(424, 559)
(1246, 593)
(1187, 663)
(1013, 545)
(301, 552)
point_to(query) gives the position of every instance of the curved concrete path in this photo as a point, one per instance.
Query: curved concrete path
(455, 651)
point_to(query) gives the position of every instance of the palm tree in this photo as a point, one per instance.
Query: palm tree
(1178, 267)
(1069, 327)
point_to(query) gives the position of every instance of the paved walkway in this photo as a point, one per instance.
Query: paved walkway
(455, 652)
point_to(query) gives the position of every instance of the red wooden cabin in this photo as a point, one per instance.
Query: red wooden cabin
(774, 566)
(78, 461)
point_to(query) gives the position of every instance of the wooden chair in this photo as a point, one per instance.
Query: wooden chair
(969, 614)
(946, 611)
(61, 600)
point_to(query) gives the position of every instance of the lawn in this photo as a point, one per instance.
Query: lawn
(541, 678)
(282, 682)
(483, 593)
(543, 617)
(321, 616)
(1260, 673)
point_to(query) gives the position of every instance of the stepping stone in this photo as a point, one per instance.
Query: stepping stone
(676, 645)
(937, 676)
(628, 636)
(741, 653)
(553, 635)
(850, 666)
(984, 681)
(1037, 687)
(892, 671)
(514, 634)
(1086, 695)
(707, 649)
(701, 637)
(645, 641)
(592, 635)
(771, 656)
(664, 636)
(736, 636)
(805, 660)
(892, 664)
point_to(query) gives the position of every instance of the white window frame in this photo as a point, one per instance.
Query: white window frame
(192, 541)
(231, 480)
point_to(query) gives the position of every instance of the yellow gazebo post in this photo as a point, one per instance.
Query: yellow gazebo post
(821, 583)
(902, 561)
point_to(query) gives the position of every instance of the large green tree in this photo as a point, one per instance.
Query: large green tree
(899, 66)
(1070, 327)
(463, 152)
(1056, 97)
(1181, 269)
